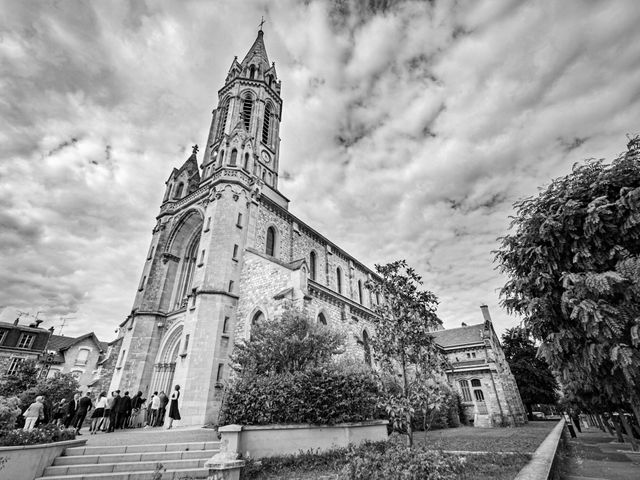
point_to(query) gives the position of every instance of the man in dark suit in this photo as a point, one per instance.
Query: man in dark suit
(124, 410)
(72, 408)
(84, 405)
(113, 415)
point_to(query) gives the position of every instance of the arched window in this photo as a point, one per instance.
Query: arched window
(360, 291)
(246, 161)
(179, 189)
(220, 158)
(168, 192)
(339, 280)
(466, 392)
(271, 241)
(322, 319)
(266, 125)
(234, 157)
(247, 108)
(312, 265)
(367, 347)
(479, 395)
(257, 317)
(252, 71)
(186, 271)
(222, 118)
(475, 383)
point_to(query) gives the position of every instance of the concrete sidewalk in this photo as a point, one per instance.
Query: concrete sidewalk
(144, 436)
(596, 455)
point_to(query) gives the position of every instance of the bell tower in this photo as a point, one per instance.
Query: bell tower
(245, 126)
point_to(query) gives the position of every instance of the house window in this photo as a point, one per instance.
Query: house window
(220, 373)
(312, 265)
(234, 158)
(367, 347)
(83, 356)
(271, 240)
(479, 395)
(322, 319)
(360, 291)
(26, 340)
(230, 286)
(339, 280)
(247, 107)
(466, 392)
(235, 252)
(3, 335)
(475, 383)
(225, 325)
(14, 364)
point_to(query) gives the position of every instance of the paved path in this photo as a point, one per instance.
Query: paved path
(141, 436)
(595, 455)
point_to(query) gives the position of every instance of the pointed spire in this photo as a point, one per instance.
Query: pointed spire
(257, 53)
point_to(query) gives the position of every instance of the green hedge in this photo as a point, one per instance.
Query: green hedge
(323, 395)
(46, 434)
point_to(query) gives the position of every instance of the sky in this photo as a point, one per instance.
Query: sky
(409, 129)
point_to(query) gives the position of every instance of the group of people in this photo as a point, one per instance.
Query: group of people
(109, 413)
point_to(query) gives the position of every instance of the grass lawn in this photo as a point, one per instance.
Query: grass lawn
(491, 466)
(523, 439)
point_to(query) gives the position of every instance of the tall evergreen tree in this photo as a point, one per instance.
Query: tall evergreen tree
(535, 380)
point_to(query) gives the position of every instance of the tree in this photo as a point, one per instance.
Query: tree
(535, 380)
(53, 389)
(403, 343)
(289, 343)
(573, 267)
(25, 376)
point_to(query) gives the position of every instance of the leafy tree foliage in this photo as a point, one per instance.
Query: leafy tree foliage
(403, 343)
(25, 377)
(573, 262)
(535, 380)
(290, 343)
(53, 389)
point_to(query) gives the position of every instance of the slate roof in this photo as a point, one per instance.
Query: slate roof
(459, 336)
(60, 343)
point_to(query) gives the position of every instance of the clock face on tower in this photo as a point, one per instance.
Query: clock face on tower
(265, 157)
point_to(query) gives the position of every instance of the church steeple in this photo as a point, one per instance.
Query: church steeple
(245, 125)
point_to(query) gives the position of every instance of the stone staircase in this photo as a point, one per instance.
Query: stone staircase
(133, 462)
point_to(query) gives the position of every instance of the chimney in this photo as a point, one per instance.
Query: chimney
(38, 322)
(15, 322)
(464, 324)
(485, 313)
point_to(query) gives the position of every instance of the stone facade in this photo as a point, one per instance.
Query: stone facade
(226, 251)
(479, 372)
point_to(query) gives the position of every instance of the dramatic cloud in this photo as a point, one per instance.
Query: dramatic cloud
(409, 129)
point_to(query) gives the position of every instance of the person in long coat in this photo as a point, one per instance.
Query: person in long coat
(72, 409)
(174, 413)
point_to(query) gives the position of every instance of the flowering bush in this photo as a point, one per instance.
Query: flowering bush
(46, 434)
(9, 412)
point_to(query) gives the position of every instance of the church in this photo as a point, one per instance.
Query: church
(226, 252)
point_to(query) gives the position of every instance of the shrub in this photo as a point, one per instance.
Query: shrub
(395, 461)
(9, 412)
(327, 394)
(446, 415)
(53, 389)
(46, 434)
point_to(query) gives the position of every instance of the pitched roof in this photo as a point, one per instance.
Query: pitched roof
(459, 336)
(60, 343)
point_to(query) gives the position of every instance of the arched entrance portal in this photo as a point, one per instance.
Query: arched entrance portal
(165, 366)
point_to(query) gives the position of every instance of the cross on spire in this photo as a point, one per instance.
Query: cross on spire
(195, 149)
(262, 22)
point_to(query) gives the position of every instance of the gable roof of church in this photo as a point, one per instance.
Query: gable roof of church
(460, 336)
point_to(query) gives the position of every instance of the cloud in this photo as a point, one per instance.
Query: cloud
(409, 128)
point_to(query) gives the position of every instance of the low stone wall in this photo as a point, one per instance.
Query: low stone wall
(541, 465)
(26, 462)
(272, 440)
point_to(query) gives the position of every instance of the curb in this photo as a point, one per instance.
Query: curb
(540, 466)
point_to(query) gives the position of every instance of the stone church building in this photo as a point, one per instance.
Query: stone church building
(226, 252)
